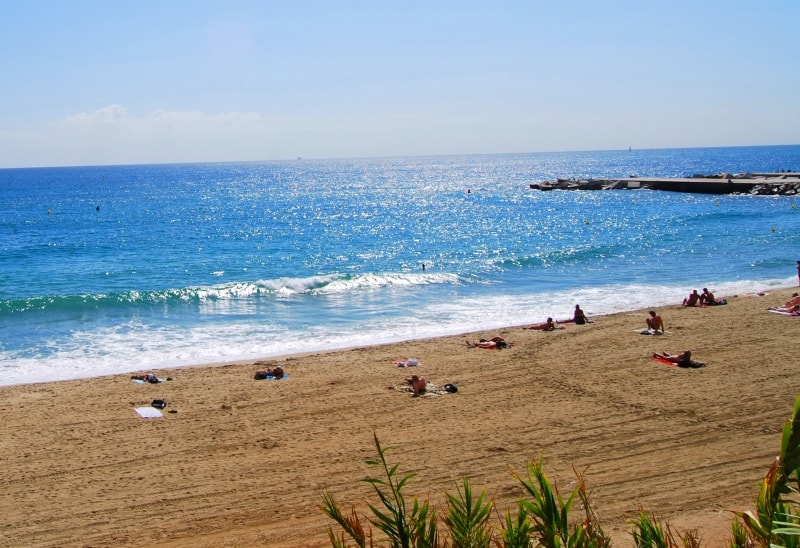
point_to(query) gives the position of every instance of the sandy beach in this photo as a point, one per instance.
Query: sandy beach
(242, 462)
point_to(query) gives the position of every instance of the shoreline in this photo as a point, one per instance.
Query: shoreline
(244, 462)
(607, 310)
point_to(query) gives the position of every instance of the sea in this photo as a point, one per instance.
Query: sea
(119, 269)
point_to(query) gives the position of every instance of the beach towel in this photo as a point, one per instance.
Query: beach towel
(430, 390)
(149, 412)
(782, 312)
(142, 381)
(651, 332)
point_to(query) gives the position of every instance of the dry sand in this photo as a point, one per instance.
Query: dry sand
(243, 462)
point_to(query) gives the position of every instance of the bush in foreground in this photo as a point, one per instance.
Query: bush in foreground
(543, 517)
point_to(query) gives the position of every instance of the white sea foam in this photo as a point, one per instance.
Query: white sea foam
(136, 346)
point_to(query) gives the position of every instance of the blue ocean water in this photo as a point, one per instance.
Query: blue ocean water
(126, 268)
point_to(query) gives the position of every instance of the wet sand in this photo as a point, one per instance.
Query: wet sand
(243, 462)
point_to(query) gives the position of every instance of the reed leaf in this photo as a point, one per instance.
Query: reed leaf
(350, 524)
(591, 524)
(468, 518)
(549, 512)
(517, 531)
(648, 533)
(404, 529)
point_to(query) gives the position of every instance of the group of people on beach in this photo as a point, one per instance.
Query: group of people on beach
(578, 318)
(706, 298)
(655, 325)
(270, 373)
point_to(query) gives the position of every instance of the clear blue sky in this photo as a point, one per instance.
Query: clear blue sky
(145, 81)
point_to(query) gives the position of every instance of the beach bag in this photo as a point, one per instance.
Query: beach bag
(159, 404)
(260, 375)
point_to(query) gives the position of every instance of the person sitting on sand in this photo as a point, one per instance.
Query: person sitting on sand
(684, 359)
(692, 299)
(417, 383)
(579, 317)
(548, 325)
(707, 298)
(654, 322)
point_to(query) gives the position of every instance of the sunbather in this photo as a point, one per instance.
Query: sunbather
(494, 342)
(684, 359)
(654, 322)
(693, 299)
(417, 383)
(793, 301)
(549, 325)
(149, 377)
(791, 310)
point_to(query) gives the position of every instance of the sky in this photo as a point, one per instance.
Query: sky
(163, 81)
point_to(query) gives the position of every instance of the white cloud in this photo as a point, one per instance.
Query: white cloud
(118, 115)
(114, 135)
(106, 115)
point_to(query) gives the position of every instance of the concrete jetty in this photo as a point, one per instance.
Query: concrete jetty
(781, 183)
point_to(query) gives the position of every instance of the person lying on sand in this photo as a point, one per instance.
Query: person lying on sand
(791, 310)
(149, 377)
(684, 359)
(494, 342)
(548, 325)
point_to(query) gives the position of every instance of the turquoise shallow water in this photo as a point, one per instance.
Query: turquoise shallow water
(117, 269)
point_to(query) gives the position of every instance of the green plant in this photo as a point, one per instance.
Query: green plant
(649, 533)
(517, 531)
(549, 512)
(544, 519)
(468, 518)
(415, 528)
(777, 497)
